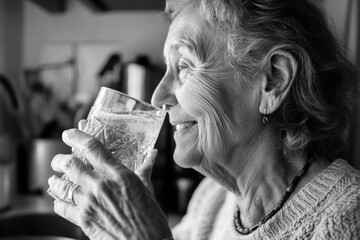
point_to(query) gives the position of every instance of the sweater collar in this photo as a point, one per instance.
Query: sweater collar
(304, 201)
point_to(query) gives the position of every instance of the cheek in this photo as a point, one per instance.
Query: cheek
(202, 97)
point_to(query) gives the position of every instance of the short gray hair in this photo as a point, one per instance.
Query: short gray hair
(317, 115)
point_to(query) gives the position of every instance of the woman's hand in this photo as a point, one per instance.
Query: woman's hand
(110, 202)
(145, 171)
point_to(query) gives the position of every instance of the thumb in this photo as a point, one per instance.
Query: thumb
(81, 126)
(145, 171)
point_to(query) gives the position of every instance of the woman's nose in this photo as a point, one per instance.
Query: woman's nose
(164, 93)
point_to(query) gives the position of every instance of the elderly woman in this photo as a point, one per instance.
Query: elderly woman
(260, 95)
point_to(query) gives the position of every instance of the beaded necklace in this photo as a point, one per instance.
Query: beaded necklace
(284, 198)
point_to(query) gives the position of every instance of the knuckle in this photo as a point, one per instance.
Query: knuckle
(89, 220)
(93, 144)
(88, 227)
(103, 186)
(87, 205)
(56, 182)
(86, 211)
(121, 173)
(60, 209)
(86, 214)
(100, 189)
(85, 222)
(96, 187)
(65, 187)
(108, 158)
(70, 163)
(92, 200)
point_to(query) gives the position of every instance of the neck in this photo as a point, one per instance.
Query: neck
(258, 173)
(262, 189)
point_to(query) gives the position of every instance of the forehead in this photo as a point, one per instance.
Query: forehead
(189, 31)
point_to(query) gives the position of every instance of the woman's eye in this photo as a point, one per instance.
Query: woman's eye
(183, 72)
(183, 64)
(183, 68)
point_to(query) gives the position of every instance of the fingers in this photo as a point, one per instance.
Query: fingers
(81, 126)
(91, 148)
(84, 217)
(59, 189)
(75, 170)
(67, 211)
(145, 170)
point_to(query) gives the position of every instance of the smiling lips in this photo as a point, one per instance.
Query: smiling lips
(182, 126)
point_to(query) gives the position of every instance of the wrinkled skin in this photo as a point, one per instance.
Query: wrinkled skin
(111, 201)
(203, 92)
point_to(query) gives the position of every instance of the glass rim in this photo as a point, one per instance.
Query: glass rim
(133, 98)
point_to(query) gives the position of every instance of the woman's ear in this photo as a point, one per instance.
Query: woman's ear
(277, 80)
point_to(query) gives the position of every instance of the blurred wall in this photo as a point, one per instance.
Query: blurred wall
(2, 17)
(337, 11)
(11, 36)
(137, 32)
(344, 15)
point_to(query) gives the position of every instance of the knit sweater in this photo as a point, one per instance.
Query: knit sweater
(328, 207)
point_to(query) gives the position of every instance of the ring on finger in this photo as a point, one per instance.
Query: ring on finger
(70, 193)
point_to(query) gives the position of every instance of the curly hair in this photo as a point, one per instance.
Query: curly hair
(317, 115)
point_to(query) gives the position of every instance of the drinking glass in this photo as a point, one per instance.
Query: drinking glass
(127, 127)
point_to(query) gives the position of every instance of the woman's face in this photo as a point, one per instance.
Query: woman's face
(208, 106)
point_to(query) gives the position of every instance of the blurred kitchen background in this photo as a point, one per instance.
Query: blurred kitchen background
(54, 57)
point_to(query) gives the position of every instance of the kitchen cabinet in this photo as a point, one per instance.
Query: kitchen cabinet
(60, 6)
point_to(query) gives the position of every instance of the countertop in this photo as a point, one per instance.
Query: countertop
(30, 205)
(33, 217)
(24, 204)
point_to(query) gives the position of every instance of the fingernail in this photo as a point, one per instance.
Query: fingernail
(55, 158)
(50, 193)
(51, 180)
(65, 134)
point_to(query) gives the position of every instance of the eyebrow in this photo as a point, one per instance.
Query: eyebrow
(176, 45)
(199, 51)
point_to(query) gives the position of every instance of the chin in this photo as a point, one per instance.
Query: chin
(187, 157)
